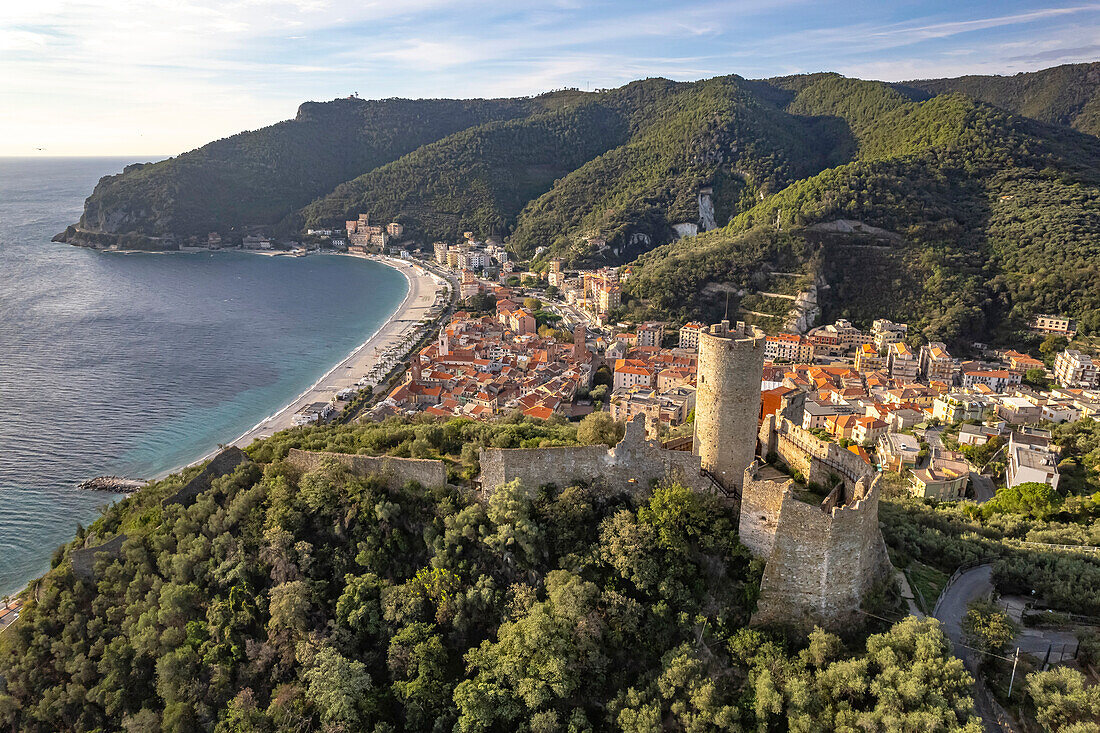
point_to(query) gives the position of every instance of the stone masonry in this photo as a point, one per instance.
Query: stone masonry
(395, 471)
(633, 465)
(727, 400)
(817, 460)
(822, 557)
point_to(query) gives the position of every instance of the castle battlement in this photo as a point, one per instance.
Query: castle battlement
(823, 557)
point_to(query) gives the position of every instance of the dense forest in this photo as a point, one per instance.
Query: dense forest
(326, 601)
(970, 215)
(1064, 95)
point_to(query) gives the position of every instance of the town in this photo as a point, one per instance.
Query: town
(543, 345)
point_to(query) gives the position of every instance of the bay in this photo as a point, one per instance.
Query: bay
(136, 364)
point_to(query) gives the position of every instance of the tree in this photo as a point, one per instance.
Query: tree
(598, 427)
(1052, 345)
(339, 688)
(1030, 498)
(1036, 378)
(532, 304)
(987, 628)
(1063, 701)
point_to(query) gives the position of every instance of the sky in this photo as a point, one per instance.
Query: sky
(159, 77)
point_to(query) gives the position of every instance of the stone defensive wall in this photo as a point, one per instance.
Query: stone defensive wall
(634, 464)
(824, 557)
(396, 471)
(814, 458)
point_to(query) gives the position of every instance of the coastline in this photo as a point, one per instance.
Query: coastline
(423, 289)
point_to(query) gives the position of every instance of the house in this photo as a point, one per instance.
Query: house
(632, 373)
(815, 414)
(841, 426)
(1030, 458)
(1060, 325)
(936, 363)
(1018, 410)
(689, 335)
(943, 480)
(314, 413)
(252, 241)
(868, 359)
(1074, 369)
(898, 452)
(977, 434)
(788, 347)
(957, 407)
(867, 430)
(903, 364)
(998, 380)
(887, 332)
(650, 333)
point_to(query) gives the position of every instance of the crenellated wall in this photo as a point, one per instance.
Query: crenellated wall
(822, 558)
(817, 460)
(396, 471)
(634, 464)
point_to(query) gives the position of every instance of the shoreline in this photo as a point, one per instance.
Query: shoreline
(423, 289)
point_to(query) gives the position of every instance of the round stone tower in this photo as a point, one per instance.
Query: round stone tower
(727, 400)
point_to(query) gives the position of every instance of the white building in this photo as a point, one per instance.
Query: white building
(1074, 369)
(689, 335)
(1031, 459)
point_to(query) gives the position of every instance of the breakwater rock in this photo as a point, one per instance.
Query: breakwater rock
(114, 484)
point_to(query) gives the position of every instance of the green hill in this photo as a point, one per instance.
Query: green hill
(257, 178)
(969, 215)
(325, 601)
(981, 214)
(1064, 95)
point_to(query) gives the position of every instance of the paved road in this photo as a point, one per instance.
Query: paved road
(969, 586)
(983, 487)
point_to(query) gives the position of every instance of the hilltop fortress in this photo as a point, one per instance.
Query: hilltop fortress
(815, 522)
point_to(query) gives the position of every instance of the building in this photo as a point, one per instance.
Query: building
(651, 333)
(314, 413)
(977, 434)
(689, 335)
(868, 359)
(395, 229)
(555, 278)
(1030, 458)
(253, 241)
(609, 298)
(902, 362)
(898, 452)
(669, 408)
(469, 286)
(997, 380)
(957, 407)
(632, 373)
(936, 363)
(1074, 369)
(1059, 325)
(727, 401)
(887, 332)
(440, 249)
(867, 430)
(789, 347)
(945, 479)
(1018, 410)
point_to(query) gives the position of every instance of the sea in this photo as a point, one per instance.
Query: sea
(138, 364)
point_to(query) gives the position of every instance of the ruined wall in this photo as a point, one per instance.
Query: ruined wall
(84, 559)
(396, 471)
(761, 501)
(632, 465)
(817, 460)
(727, 400)
(823, 563)
(223, 463)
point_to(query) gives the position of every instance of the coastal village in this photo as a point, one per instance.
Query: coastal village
(543, 344)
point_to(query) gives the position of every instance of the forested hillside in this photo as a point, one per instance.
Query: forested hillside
(258, 177)
(325, 601)
(981, 213)
(915, 201)
(1064, 95)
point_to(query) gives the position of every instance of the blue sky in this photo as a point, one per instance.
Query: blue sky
(100, 77)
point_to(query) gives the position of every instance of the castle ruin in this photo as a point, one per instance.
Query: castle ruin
(824, 554)
(727, 400)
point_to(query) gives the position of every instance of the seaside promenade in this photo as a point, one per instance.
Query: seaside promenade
(423, 288)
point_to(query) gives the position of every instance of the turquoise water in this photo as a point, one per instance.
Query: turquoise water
(134, 364)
